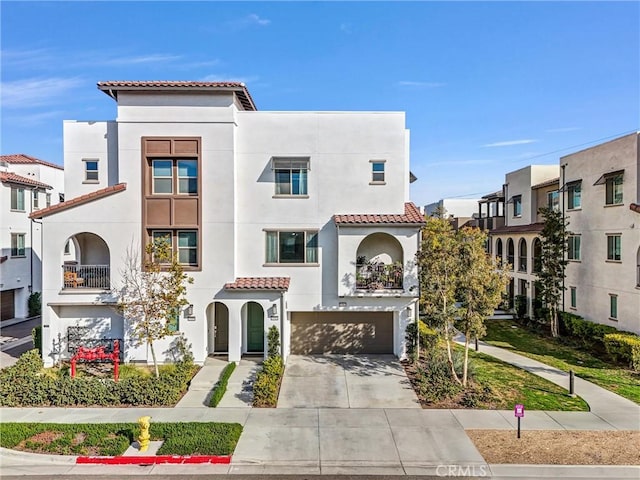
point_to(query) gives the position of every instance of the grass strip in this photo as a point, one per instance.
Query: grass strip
(552, 351)
(221, 386)
(112, 439)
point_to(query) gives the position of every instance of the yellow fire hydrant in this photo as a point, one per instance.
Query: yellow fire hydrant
(143, 439)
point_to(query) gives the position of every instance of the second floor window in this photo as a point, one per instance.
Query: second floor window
(573, 247)
(17, 199)
(291, 175)
(553, 200)
(517, 206)
(614, 247)
(613, 190)
(574, 196)
(377, 171)
(175, 176)
(35, 196)
(292, 247)
(17, 245)
(183, 243)
(91, 171)
(613, 307)
(48, 199)
(574, 297)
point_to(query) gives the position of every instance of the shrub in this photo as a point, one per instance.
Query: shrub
(428, 338)
(267, 383)
(435, 381)
(34, 304)
(624, 347)
(273, 342)
(196, 438)
(221, 386)
(588, 333)
(36, 338)
(520, 306)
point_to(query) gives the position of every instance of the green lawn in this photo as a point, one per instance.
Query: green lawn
(114, 438)
(552, 352)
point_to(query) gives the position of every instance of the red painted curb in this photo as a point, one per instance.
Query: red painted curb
(155, 460)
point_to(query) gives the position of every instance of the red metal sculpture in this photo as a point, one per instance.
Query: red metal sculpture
(95, 354)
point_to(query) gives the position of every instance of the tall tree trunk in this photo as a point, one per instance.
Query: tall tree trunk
(153, 356)
(466, 359)
(554, 321)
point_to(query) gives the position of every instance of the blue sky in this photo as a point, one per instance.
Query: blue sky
(487, 87)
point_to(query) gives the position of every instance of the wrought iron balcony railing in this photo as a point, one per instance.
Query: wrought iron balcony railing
(86, 276)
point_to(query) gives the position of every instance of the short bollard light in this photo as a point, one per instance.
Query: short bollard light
(143, 439)
(519, 413)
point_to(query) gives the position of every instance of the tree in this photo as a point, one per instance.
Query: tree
(480, 287)
(438, 267)
(551, 276)
(152, 296)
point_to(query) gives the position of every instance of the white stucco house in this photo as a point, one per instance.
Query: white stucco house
(27, 184)
(300, 220)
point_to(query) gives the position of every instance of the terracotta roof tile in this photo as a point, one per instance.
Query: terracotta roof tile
(532, 228)
(240, 88)
(259, 283)
(9, 177)
(635, 207)
(82, 199)
(21, 158)
(411, 216)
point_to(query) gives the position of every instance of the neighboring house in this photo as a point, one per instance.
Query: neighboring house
(299, 220)
(600, 200)
(26, 185)
(517, 242)
(461, 211)
(490, 214)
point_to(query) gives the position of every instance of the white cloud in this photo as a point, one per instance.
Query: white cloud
(26, 58)
(256, 19)
(459, 162)
(138, 59)
(413, 83)
(562, 129)
(32, 119)
(509, 143)
(35, 92)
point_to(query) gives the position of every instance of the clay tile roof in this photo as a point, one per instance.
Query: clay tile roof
(9, 177)
(259, 283)
(635, 207)
(111, 88)
(21, 158)
(411, 216)
(82, 199)
(531, 228)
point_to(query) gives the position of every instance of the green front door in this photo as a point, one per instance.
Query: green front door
(255, 328)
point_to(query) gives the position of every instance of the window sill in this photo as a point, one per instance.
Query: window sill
(574, 209)
(611, 319)
(574, 260)
(18, 256)
(290, 264)
(377, 183)
(290, 196)
(93, 182)
(18, 211)
(613, 261)
(573, 308)
(608, 205)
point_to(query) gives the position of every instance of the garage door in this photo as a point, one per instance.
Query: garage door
(7, 305)
(340, 332)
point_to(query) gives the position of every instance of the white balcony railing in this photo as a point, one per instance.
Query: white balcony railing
(86, 276)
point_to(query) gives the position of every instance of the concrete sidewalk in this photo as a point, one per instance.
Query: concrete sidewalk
(613, 409)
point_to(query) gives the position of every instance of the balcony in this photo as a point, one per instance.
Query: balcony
(372, 276)
(86, 277)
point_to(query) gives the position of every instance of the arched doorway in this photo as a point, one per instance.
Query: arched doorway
(218, 328)
(255, 327)
(379, 263)
(86, 262)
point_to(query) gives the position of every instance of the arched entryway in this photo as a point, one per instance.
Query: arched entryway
(86, 262)
(254, 327)
(379, 263)
(217, 328)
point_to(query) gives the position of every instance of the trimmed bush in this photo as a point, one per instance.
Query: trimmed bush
(428, 338)
(221, 386)
(273, 341)
(520, 306)
(36, 338)
(267, 384)
(588, 333)
(624, 347)
(34, 304)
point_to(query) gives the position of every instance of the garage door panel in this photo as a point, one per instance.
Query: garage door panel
(7, 304)
(338, 332)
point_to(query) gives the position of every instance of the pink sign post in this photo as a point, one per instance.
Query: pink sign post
(519, 413)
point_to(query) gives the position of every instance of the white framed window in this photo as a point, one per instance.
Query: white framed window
(377, 171)
(613, 190)
(573, 247)
(574, 297)
(291, 176)
(17, 245)
(163, 236)
(553, 200)
(17, 199)
(613, 306)
(517, 206)
(35, 199)
(90, 170)
(48, 199)
(162, 177)
(188, 177)
(574, 196)
(614, 247)
(296, 247)
(188, 247)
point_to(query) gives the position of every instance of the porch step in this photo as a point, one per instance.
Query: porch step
(502, 315)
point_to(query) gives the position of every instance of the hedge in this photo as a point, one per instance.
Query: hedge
(591, 334)
(220, 387)
(624, 347)
(267, 384)
(26, 384)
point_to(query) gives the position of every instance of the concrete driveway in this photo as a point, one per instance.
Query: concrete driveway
(345, 381)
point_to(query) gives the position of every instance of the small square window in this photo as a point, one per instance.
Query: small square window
(291, 175)
(17, 245)
(613, 306)
(377, 172)
(91, 171)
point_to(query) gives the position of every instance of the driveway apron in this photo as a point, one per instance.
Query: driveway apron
(345, 381)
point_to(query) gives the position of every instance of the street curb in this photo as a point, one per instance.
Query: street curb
(524, 471)
(155, 460)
